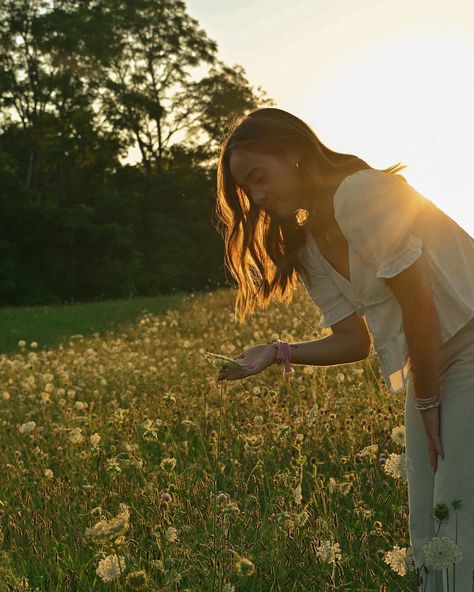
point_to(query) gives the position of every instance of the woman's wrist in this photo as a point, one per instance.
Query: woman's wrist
(274, 348)
(282, 355)
(427, 401)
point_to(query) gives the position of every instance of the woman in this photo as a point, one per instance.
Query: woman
(371, 248)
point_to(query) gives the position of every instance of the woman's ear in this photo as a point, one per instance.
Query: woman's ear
(292, 156)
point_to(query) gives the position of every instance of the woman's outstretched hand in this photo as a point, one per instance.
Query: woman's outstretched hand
(431, 421)
(253, 361)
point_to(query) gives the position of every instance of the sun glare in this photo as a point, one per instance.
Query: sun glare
(410, 101)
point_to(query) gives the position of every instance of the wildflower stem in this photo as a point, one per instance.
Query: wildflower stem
(456, 541)
(118, 557)
(216, 468)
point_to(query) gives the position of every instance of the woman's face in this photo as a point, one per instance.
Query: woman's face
(271, 182)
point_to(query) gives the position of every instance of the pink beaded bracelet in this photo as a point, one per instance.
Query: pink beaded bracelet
(283, 354)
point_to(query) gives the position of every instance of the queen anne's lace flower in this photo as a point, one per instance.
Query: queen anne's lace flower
(398, 435)
(27, 427)
(369, 451)
(110, 530)
(441, 552)
(328, 552)
(109, 568)
(171, 534)
(397, 559)
(397, 465)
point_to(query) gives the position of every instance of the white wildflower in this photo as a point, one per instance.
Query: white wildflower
(441, 552)
(76, 436)
(328, 552)
(109, 567)
(110, 530)
(95, 439)
(397, 465)
(27, 427)
(398, 435)
(396, 558)
(369, 451)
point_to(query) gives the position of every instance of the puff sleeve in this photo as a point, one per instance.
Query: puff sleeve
(377, 212)
(331, 302)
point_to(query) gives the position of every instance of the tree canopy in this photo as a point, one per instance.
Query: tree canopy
(83, 84)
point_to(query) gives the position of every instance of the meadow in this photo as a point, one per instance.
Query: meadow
(127, 466)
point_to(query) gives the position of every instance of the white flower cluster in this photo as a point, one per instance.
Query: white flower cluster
(397, 465)
(27, 427)
(441, 552)
(328, 552)
(400, 559)
(109, 568)
(398, 436)
(109, 530)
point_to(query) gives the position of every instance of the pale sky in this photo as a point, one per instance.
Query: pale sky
(388, 80)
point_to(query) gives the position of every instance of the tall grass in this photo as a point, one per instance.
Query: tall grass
(270, 483)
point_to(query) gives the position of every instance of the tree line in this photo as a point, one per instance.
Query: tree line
(82, 84)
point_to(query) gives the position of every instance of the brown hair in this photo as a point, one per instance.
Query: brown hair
(261, 249)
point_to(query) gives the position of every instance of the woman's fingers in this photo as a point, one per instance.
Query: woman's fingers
(239, 374)
(431, 420)
(433, 458)
(435, 449)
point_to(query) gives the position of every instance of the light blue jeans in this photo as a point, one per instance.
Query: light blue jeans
(454, 478)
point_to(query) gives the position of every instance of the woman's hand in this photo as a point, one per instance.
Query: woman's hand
(431, 421)
(254, 360)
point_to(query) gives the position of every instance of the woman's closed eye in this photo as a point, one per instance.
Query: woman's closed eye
(259, 180)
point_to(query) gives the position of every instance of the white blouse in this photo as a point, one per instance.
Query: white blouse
(388, 226)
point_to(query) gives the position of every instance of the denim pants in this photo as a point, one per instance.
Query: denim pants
(454, 478)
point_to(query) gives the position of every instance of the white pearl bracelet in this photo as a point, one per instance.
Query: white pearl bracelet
(422, 403)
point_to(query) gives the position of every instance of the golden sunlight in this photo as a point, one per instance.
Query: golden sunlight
(410, 101)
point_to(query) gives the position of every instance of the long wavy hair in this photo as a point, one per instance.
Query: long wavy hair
(261, 248)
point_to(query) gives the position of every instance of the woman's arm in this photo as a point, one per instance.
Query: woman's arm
(350, 342)
(421, 327)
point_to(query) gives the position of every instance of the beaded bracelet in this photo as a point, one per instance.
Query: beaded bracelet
(422, 403)
(283, 355)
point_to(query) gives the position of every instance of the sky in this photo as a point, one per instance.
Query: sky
(389, 81)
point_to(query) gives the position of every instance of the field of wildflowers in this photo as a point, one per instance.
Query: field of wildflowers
(127, 466)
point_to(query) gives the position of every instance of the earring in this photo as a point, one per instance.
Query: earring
(297, 164)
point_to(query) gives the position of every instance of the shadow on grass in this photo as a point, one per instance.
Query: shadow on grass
(51, 325)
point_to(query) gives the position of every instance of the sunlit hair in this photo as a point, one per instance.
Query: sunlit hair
(261, 248)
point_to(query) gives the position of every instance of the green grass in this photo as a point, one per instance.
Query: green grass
(51, 325)
(235, 487)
